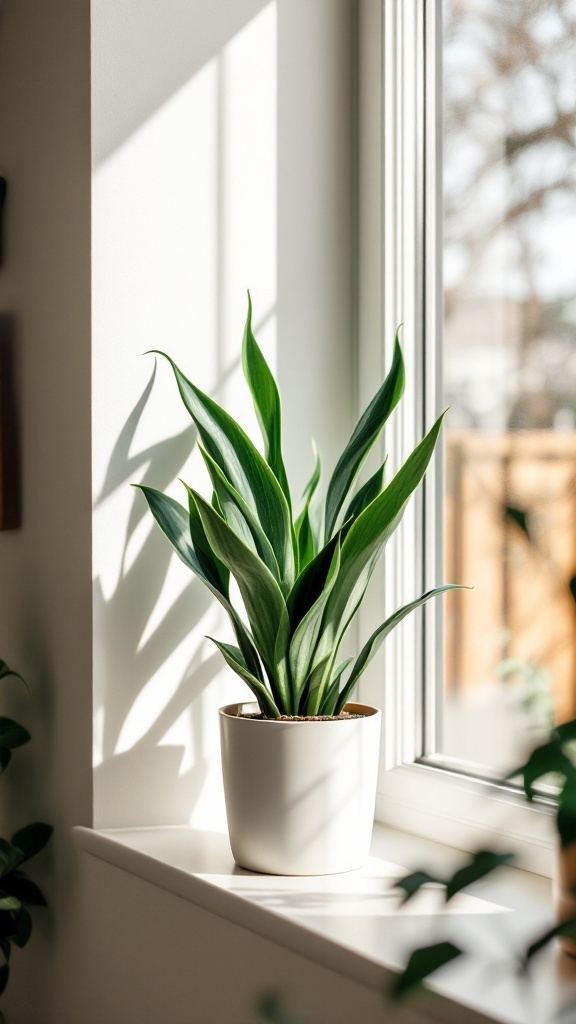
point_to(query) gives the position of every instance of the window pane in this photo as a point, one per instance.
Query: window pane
(509, 373)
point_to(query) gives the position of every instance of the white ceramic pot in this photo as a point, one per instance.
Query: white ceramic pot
(300, 795)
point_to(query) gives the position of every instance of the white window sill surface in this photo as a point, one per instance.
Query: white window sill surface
(351, 923)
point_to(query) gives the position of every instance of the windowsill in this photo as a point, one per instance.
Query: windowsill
(351, 923)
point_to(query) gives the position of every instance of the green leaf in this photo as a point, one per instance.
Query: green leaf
(32, 839)
(23, 888)
(240, 517)
(9, 903)
(481, 864)
(12, 734)
(177, 525)
(305, 540)
(366, 540)
(10, 857)
(5, 758)
(4, 975)
(363, 437)
(422, 963)
(366, 495)
(303, 528)
(566, 731)
(566, 814)
(262, 597)
(233, 657)
(6, 949)
(310, 489)
(412, 883)
(213, 569)
(306, 635)
(380, 634)
(310, 582)
(549, 757)
(328, 707)
(266, 402)
(369, 533)
(6, 925)
(566, 928)
(22, 927)
(6, 671)
(244, 467)
(174, 521)
(317, 685)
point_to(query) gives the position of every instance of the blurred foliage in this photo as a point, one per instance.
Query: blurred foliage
(17, 890)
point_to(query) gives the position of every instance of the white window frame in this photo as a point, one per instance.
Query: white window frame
(400, 85)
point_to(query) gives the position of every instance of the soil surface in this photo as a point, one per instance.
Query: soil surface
(342, 717)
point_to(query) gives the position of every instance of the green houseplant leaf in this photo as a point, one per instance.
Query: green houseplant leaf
(424, 962)
(240, 517)
(9, 903)
(361, 549)
(233, 657)
(566, 813)
(365, 496)
(412, 884)
(298, 594)
(245, 468)
(12, 734)
(22, 888)
(363, 437)
(266, 402)
(306, 634)
(565, 928)
(380, 634)
(10, 857)
(328, 707)
(32, 839)
(6, 671)
(303, 528)
(263, 599)
(21, 927)
(544, 760)
(482, 863)
(178, 527)
(16, 888)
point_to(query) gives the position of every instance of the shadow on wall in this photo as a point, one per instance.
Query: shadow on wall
(122, 620)
(186, 199)
(133, 44)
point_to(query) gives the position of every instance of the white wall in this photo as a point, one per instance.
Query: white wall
(222, 160)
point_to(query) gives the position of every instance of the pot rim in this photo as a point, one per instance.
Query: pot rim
(367, 711)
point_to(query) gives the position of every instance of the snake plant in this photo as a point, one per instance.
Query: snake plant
(301, 578)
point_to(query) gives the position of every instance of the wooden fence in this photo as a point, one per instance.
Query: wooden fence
(522, 605)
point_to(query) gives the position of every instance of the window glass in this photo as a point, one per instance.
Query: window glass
(509, 241)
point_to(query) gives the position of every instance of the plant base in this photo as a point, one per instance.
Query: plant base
(300, 794)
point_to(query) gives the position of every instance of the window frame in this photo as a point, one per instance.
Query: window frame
(419, 791)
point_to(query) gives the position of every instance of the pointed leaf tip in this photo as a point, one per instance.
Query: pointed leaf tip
(363, 437)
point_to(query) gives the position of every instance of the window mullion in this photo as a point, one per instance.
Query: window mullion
(432, 349)
(403, 276)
